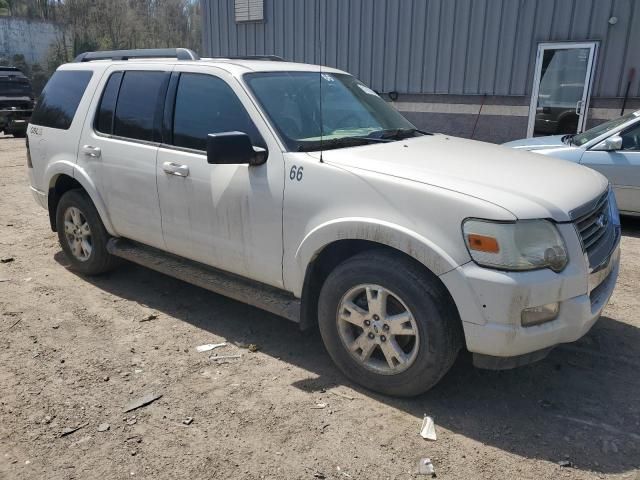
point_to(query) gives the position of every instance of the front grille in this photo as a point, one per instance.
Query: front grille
(597, 231)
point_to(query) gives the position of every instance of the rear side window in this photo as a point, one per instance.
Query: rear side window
(138, 107)
(204, 105)
(104, 119)
(59, 100)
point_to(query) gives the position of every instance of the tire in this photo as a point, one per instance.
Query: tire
(425, 357)
(93, 260)
(20, 134)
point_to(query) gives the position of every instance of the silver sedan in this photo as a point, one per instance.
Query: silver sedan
(612, 148)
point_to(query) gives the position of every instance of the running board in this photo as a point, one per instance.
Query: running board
(238, 288)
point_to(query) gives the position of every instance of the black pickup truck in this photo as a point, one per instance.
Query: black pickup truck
(16, 101)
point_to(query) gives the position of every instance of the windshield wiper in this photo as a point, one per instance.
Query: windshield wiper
(396, 133)
(379, 136)
(331, 143)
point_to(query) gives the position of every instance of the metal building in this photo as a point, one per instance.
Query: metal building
(492, 69)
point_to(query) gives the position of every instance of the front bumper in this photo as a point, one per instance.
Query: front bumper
(490, 303)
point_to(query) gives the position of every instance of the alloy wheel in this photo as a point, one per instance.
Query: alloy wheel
(378, 329)
(78, 234)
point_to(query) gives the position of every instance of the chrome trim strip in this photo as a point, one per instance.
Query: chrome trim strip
(602, 272)
(39, 192)
(588, 207)
(616, 243)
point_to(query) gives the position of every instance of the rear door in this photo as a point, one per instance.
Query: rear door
(119, 146)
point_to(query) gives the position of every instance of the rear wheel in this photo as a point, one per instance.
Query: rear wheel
(82, 235)
(388, 324)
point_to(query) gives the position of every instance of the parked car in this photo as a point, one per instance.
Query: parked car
(16, 101)
(297, 189)
(611, 148)
(556, 111)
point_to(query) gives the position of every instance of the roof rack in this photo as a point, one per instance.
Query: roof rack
(271, 58)
(178, 53)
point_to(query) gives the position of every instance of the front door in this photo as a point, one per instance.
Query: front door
(561, 88)
(226, 216)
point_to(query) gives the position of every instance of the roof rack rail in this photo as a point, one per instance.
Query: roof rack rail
(178, 53)
(271, 58)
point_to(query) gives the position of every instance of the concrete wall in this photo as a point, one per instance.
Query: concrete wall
(31, 38)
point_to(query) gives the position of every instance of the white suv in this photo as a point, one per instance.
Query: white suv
(297, 189)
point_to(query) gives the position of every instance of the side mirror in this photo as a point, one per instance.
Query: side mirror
(233, 148)
(610, 144)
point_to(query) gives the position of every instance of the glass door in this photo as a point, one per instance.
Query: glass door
(561, 88)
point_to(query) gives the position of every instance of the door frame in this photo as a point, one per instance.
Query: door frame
(586, 95)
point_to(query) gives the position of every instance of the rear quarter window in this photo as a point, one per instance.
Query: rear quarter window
(104, 119)
(60, 98)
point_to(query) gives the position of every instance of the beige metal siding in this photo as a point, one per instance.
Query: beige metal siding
(434, 46)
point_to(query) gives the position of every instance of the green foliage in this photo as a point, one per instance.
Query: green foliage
(116, 24)
(88, 25)
(28, 8)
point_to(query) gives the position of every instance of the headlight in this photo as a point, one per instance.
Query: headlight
(523, 245)
(613, 208)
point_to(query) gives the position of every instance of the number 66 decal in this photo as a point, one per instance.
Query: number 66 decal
(296, 173)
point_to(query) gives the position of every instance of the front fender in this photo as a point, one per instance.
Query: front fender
(384, 233)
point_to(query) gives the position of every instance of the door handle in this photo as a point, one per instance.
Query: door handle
(175, 169)
(90, 151)
(579, 105)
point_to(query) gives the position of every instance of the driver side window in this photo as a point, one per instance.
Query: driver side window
(204, 105)
(631, 139)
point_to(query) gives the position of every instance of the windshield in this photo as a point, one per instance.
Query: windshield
(352, 114)
(603, 128)
(14, 85)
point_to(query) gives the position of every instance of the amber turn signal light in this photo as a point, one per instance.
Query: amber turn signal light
(482, 243)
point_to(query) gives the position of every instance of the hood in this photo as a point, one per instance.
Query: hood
(553, 141)
(526, 184)
(552, 145)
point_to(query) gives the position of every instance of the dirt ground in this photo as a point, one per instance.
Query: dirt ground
(74, 351)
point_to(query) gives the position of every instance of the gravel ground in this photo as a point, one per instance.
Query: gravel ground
(74, 351)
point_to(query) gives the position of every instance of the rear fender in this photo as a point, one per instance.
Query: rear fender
(65, 167)
(87, 183)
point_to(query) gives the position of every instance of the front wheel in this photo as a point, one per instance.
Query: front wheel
(388, 324)
(82, 235)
